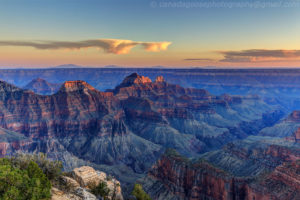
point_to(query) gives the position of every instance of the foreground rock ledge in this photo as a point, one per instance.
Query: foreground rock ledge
(80, 181)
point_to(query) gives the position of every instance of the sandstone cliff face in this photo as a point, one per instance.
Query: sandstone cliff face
(75, 86)
(174, 177)
(254, 155)
(84, 121)
(137, 86)
(10, 142)
(284, 181)
(72, 109)
(186, 181)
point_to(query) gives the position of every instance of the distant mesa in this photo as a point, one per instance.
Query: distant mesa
(68, 66)
(72, 86)
(41, 86)
(112, 66)
(36, 82)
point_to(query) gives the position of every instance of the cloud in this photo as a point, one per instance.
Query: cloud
(156, 46)
(199, 59)
(259, 55)
(252, 56)
(114, 46)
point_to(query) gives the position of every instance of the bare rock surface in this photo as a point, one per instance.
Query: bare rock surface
(159, 79)
(86, 175)
(80, 183)
(60, 195)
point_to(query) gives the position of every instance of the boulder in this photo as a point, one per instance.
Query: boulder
(114, 187)
(70, 181)
(84, 194)
(85, 176)
(57, 194)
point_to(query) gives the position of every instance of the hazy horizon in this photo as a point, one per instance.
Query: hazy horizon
(74, 66)
(150, 33)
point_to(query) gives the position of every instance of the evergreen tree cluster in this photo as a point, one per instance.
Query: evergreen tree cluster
(139, 193)
(27, 177)
(28, 183)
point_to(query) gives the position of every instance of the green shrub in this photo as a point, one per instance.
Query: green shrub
(52, 169)
(23, 184)
(100, 190)
(139, 193)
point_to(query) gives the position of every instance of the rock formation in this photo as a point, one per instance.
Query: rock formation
(135, 79)
(175, 177)
(123, 131)
(41, 86)
(75, 86)
(86, 175)
(81, 180)
(159, 79)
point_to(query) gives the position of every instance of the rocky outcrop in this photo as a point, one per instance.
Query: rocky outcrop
(175, 177)
(80, 183)
(84, 194)
(57, 194)
(288, 175)
(253, 155)
(159, 79)
(70, 181)
(136, 79)
(10, 142)
(75, 86)
(87, 175)
(184, 180)
(139, 86)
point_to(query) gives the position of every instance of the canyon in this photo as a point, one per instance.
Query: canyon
(178, 142)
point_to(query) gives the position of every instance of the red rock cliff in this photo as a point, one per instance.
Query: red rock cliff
(201, 180)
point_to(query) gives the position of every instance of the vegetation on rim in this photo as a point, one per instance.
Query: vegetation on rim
(27, 177)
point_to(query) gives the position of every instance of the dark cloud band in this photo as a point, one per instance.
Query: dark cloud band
(253, 55)
(258, 55)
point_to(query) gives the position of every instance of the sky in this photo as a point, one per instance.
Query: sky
(142, 33)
